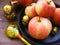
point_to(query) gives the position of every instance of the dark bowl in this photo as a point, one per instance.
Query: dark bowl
(50, 40)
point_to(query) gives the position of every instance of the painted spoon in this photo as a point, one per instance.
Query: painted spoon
(12, 32)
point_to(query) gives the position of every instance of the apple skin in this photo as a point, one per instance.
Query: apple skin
(39, 27)
(45, 8)
(41, 8)
(25, 2)
(30, 10)
(56, 17)
(51, 8)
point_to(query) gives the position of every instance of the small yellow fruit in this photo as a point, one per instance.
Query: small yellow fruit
(7, 9)
(54, 30)
(25, 19)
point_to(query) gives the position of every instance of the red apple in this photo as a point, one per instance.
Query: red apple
(45, 8)
(30, 10)
(21, 2)
(25, 2)
(39, 27)
(56, 18)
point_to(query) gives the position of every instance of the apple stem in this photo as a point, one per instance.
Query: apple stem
(48, 2)
(23, 40)
(39, 19)
(13, 2)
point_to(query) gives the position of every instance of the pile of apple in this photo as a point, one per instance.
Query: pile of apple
(37, 17)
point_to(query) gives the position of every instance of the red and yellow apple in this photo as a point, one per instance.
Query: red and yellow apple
(39, 27)
(30, 10)
(45, 8)
(41, 8)
(51, 8)
(56, 17)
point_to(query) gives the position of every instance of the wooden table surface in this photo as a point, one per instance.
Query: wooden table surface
(4, 40)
